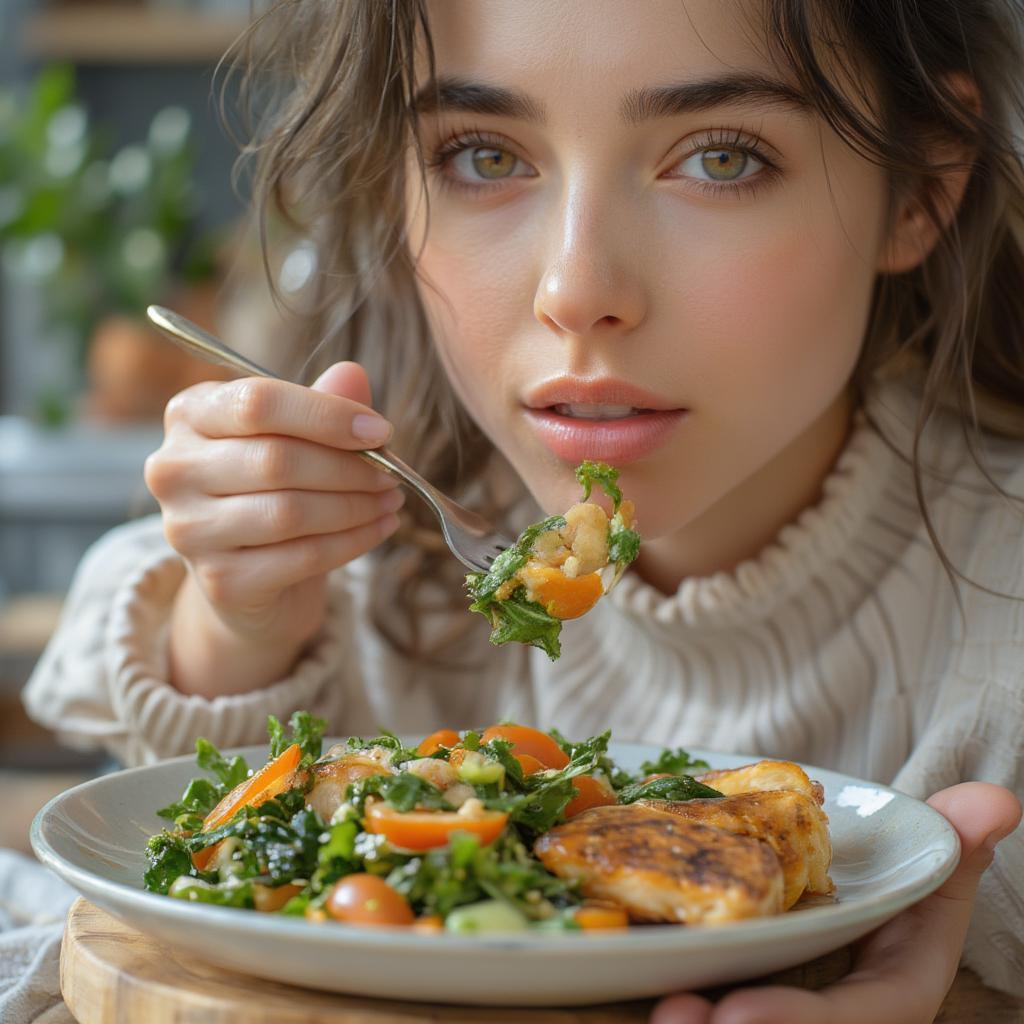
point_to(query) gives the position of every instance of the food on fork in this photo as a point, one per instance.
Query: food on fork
(509, 828)
(556, 570)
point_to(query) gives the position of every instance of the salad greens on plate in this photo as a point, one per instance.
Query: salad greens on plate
(438, 835)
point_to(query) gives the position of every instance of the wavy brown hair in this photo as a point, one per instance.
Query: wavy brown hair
(334, 82)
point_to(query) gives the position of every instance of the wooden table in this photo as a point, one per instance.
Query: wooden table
(112, 973)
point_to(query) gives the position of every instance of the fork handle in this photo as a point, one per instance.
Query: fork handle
(191, 337)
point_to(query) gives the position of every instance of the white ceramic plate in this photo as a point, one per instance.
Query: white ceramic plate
(890, 851)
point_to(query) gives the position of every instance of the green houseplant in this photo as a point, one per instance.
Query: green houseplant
(87, 231)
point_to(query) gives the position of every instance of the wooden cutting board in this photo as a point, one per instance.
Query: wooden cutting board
(111, 973)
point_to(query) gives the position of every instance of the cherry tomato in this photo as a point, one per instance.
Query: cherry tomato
(525, 740)
(528, 763)
(273, 778)
(590, 792)
(423, 830)
(441, 738)
(431, 924)
(564, 597)
(367, 899)
(598, 915)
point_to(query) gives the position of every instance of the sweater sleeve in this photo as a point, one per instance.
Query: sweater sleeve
(974, 731)
(982, 741)
(103, 679)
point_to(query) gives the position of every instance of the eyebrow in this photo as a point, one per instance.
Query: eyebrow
(702, 94)
(444, 94)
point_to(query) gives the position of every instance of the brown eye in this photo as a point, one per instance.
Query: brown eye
(724, 164)
(493, 163)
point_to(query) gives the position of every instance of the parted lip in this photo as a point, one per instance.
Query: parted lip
(600, 391)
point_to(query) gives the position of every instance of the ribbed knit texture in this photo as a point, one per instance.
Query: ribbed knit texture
(840, 644)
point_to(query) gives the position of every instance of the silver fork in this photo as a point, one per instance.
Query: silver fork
(472, 539)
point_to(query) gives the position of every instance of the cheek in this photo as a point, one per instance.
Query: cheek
(472, 303)
(779, 322)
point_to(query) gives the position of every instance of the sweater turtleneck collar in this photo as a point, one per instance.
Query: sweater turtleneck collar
(821, 535)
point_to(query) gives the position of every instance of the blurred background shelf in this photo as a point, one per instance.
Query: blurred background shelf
(106, 33)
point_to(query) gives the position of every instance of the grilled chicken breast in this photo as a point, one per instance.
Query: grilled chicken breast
(764, 776)
(663, 867)
(791, 823)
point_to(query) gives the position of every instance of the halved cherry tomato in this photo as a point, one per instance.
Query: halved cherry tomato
(441, 738)
(273, 778)
(528, 763)
(429, 924)
(423, 830)
(367, 899)
(599, 915)
(590, 792)
(564, 597)
(525, 740)
(268, 900)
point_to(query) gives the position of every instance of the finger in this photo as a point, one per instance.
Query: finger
(256, 405)
(271, 517)
(346, 379)
(982, 815)
(242, 578)
(906, 967)
(242, 465)
(685, 1008)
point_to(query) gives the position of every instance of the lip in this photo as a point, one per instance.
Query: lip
(616, 441)
(602, 391)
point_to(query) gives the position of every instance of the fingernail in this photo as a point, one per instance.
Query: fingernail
(370, 428)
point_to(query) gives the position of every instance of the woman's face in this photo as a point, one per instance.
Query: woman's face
(642, 248)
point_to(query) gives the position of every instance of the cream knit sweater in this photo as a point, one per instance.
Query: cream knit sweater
(841, 645)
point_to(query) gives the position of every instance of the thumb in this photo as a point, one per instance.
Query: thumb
(348, 380)
(982, 815)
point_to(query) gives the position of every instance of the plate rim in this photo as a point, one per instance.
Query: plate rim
(785, 926)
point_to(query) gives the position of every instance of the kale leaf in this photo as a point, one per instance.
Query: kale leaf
(210, 759)
(589, 473)
(673, 762)
(464, 872)
(403, 791)
(202, 795)
(522, 620)
(678, 787)
(623, 545)
(167, 857)
(305, 729)
(389, 741)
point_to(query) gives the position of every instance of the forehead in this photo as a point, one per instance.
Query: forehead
(580, 48)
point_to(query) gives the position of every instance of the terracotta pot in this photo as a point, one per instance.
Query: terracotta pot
(133, 370)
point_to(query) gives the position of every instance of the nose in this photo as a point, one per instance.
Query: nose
(592, 285)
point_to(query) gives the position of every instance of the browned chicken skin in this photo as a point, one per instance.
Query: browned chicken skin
(791, 823)
(661, 867)
(764, 776)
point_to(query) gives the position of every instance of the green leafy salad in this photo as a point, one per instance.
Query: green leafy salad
(554, 571)
(438, 836)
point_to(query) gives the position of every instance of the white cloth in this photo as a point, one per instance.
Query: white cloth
(33, 904)
(841, 644)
